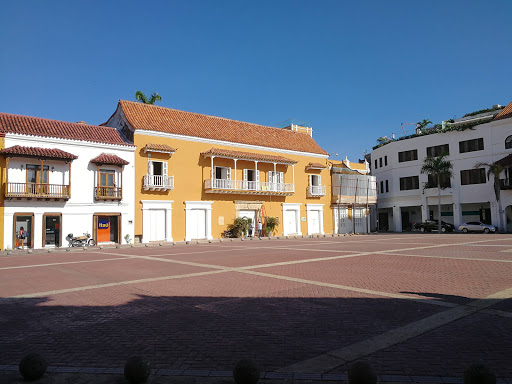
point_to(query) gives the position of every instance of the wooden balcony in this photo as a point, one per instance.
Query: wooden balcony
(37, 190)
(108, 193)
(316, 190)
(248, 187)
(158, 182)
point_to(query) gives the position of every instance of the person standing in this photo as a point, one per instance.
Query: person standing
(260, 229)
(22, 235)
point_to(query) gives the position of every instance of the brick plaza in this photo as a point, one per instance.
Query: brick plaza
(410, 304)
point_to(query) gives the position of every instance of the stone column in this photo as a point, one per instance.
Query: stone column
(397, 219)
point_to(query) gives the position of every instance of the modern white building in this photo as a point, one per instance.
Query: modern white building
(405, 194)
(62, 178)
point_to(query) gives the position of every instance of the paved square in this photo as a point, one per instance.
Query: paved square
(411, 304)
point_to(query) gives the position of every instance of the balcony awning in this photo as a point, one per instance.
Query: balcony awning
(506, 161)
(239, 155)
(40, 153)
(316, 166)
(161, 148)
(107, 159)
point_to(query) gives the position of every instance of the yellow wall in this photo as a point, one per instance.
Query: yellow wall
(190, 169)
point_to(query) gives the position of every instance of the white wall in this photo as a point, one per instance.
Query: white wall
(494, 135)
(77, 212)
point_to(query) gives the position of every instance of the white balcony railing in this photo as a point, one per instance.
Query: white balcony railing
(316, 190)
(248, 187)
(158, 182)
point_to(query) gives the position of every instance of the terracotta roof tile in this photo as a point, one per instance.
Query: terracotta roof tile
(36, 126)
(42, 153)
(505, 112)
(248, 156)
(156, 118)
(105, 158)
(316, 165)
(158, 148)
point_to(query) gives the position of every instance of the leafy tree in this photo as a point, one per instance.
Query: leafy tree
(139, 96)
(437, 167)
(423, 124)
(494, 169)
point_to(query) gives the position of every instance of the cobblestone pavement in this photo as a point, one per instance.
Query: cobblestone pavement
(414, 305)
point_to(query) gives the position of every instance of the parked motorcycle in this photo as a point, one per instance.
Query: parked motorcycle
(81, 241)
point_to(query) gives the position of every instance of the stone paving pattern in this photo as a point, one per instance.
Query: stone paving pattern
(283, 303)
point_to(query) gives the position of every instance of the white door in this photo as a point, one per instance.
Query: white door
(157, 224)
(250, 215)
(359, 222)
(314, 222)
(290, 222)
(198, 223)
(341, 222)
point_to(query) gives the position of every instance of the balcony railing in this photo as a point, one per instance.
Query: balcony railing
(37, 190)
(248, 187)
(505, 184)
(108, 193)
(158, 182)
(316, 190)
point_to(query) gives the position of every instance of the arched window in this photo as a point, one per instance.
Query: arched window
(508, 142)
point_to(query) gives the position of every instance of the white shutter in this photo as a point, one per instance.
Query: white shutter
(150, 167)
(228, 173)
(319, 178)
(281, 177)
(310, 180)
(245, 174)
(257, 176)
(164, 168)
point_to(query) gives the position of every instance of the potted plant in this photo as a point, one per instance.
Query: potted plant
(241, 226)
(270, 225)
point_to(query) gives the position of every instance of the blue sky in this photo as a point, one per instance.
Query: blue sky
(355, 69)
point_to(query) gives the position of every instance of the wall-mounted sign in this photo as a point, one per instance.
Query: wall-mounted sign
(103, 223)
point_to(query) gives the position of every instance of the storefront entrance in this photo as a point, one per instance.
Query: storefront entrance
(25, 220)
(52, 229)
(107, 228)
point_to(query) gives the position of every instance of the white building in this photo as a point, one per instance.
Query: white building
(406, 198)
(63, 178)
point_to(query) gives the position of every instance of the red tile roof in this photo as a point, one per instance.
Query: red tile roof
(316, 165)
(156, 118)
(247, 156)
(36, 126)
(105, 158)
(149, 147)
(505, 112)
(41, 153)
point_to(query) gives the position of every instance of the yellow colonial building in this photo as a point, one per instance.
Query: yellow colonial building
(195, 174)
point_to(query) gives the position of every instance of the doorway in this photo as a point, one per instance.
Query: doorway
(52, 224)
(25, 220)
(107, 228)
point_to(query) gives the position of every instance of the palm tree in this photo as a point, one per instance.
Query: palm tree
(437, 167)
(495, 170)
(423, 124)
(141, 97)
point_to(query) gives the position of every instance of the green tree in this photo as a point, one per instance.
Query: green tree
(494, 170)
(423, 124)
(139, 96)
(437, 167)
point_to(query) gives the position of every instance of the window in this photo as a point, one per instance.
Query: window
(157, 168)
(508, 142)
(375, 163)
(385, 160)
(251, 179)
(387, 186)
(34, 174)
(411, 182)
(380, 162)
(107, 178)
(472, 176)
(276, 177)
(408, 155)
(432, 182)
(314, 180)
(438, 150)
(222, 173)
(471, 145)
(381, 187)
